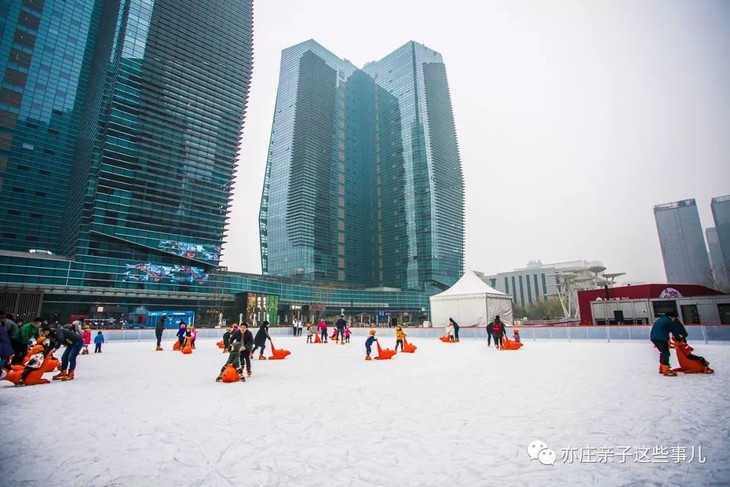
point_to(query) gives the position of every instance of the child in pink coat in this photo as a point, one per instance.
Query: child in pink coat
(86, 337)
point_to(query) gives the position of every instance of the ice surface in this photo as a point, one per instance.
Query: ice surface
(450, 414)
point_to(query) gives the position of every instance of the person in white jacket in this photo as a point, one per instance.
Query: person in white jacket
(450, 332)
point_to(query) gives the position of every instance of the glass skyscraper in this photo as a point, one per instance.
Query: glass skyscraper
(686, 260)
(363, 180)
(721, 214)
(119, 127)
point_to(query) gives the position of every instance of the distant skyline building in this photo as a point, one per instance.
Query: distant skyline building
(720, 207)
(682, 242)
(363, 180)
(539, 282)
(717, 261)
(119, 128)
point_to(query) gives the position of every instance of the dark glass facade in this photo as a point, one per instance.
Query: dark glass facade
(119, 129)
(366, 165)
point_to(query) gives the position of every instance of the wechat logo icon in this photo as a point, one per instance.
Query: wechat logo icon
(538, 450)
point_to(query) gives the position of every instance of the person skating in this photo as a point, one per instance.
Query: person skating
(159, 330)
(26, 333)
(259, 340)
(181, 334)
(341, 324)
(73, 343)
(660, 338)
(6, 351)
(98, 340)
(247, 344)
(456, 329)
(227, 337)
(310, 333)
(497, 332)
(369, 344)
(37, 356)
(86, 337)
(490, 333)
(234, 358)
(399, 336)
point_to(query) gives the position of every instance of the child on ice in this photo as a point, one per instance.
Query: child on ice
(86, 336)
(399, 336)
(98, 340)
(516, 336)
(310, 333)
(369, 344)
(347, 334)
(37, 356)
(234, 358)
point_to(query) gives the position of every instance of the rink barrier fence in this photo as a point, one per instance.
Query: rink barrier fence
(706, 333)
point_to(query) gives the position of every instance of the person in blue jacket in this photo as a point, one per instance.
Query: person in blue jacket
(660, 338)
(98, 340)
(369, 344)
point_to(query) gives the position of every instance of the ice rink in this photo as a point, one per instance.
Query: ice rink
(450, 414)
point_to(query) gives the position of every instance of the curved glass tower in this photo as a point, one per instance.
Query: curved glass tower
(363, 179)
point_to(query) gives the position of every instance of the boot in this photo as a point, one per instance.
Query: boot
(667, 371)
(218, 379)
(60, 376)
(70, 376)
(661, 370)
(367, 357)
(158, 349)
(261, 357)
(248, 373)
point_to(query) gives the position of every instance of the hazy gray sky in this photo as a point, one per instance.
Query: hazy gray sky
(574, 118)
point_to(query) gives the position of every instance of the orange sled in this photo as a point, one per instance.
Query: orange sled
(686, 364)
(445, 339)
(317, 339)
(384, 354)
(278, 354)
(176, 346)
(407, 347)
(34, 378)
(220, 344)
(230, 374)
(508, 344)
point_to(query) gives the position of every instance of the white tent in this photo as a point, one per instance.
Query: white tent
(470, 302)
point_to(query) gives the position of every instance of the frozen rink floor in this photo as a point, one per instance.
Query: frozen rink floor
(450, 414)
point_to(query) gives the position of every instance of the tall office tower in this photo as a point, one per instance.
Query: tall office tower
(683, 244)
(721, 214)
(363, 179)
(136, 107)
(717, 261)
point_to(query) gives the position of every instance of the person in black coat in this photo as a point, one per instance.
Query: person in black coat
(247, 347)
(490, 329)
(73, 343)
(259, 340)
(159, 328)
(6, 350)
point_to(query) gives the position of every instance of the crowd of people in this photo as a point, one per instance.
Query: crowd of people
(28, 346)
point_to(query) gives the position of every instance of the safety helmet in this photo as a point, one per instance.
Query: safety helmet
(372, 332)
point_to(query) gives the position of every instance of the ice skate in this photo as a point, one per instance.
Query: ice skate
(668, 372)
(248, 373)
(158, 349)
(218, 379)
(368, 357)
(261, 357)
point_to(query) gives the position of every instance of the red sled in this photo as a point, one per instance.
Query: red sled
(384, 353)
(176, 346)
(508, 344)
(687, 364)
(445, 339)
(220, 344)
(230, 374)
(278, 354)
(408, 347)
